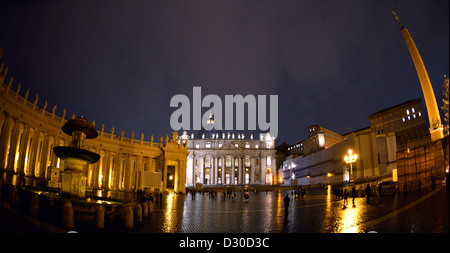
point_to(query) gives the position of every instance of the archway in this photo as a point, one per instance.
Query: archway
(269, 176)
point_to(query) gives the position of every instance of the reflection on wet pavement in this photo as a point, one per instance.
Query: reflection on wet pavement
(318, 212)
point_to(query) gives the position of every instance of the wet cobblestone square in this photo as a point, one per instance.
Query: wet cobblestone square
(317, 212)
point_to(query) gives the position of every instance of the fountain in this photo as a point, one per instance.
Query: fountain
(75, 157)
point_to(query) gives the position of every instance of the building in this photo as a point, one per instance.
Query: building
(319, 138)
(405, 120)
(29, 133)
(322, 162)
(217, 158)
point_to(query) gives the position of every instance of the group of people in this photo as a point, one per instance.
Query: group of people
(342, 193)
(142, 196)
(300, 192)
(339, 192)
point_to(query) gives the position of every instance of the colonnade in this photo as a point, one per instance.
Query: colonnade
(28, 134)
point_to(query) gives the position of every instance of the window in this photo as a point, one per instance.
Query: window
(207, 162)
(407, 112)
(220, 145)
(197, 145)
(220, 162)
(228, 162)
(236, 162)
(208, 145)
(256, 146)
(247, 162)
(269, 161)
(236, 145)
(247, 145)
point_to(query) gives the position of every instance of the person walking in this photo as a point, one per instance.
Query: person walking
(345, 198)
(354, 193)
(286, 203)
(368, 190)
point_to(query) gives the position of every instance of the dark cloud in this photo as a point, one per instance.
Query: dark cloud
(331, 63)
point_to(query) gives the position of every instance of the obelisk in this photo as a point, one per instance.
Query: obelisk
(436, 128)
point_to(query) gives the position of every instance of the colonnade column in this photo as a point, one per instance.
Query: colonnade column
(164, 176)
(5, 139)
(13, 146)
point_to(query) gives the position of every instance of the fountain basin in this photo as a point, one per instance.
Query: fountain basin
(80, 124)
(76, 155)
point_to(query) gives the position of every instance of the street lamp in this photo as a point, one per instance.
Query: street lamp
(351, 158)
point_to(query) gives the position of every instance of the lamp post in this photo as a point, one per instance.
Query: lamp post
(350, 159)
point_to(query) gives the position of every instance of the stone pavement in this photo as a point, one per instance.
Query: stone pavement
(318, 212)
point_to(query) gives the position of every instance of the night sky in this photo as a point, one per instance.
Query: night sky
(331, 63)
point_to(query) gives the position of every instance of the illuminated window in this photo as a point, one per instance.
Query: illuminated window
(236, 145)
(413, 111)
(420, 114)
(228, 162)
(207, 162)
(220, 145)
(208, 145)
(197, 145)
(409, 117)
(414, 115)
(256, 146)
(407, 112)
(247, 145)
(220, 162)
(403, 119)
(269, 161)
(247, 162)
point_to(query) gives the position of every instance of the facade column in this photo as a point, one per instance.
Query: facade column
(232, 170)
(240, 170)
(252, 170)
(194, 166)
(211, 170)
(216, 168)
(202, 171)
(223, 169)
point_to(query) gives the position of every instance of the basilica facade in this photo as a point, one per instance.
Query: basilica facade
(217, 158)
